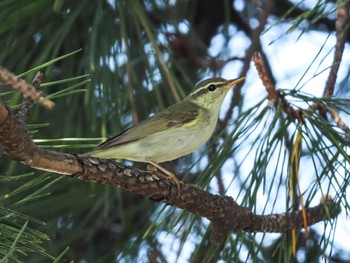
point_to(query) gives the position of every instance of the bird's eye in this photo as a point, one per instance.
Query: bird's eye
(212, 87)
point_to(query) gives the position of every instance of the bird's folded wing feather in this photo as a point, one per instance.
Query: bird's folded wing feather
(169, 119)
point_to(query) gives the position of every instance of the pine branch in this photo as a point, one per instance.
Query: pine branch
(224, 213)
(27, 90)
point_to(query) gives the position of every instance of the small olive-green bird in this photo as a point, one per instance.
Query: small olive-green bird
(173, 132)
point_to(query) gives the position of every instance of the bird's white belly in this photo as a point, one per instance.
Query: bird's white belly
(166, 146)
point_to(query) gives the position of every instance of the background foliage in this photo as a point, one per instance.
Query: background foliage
(142, 56)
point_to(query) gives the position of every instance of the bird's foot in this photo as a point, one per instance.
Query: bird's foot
(154, 166)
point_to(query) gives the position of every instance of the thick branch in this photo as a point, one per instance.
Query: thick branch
(224, 213)
(17, 144)
(289, 221)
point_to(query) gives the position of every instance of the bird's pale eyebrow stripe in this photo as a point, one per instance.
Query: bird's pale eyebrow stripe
(204, 89)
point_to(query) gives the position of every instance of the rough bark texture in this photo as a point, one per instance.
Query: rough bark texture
(224, 213)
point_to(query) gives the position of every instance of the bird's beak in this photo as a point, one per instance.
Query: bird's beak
(232, 82)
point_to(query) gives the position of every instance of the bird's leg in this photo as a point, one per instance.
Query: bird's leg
(166, 172)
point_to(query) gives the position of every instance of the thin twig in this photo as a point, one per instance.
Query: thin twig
(254, 46)
(338, 120)
(276, 97)
(27, 104)
(334, 113)
(212, 155)
(27, 90)
(269, 86)
(341, 26)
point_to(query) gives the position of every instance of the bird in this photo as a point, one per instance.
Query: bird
(173, 132)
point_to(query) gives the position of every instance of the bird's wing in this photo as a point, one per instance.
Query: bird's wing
(170, 118)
